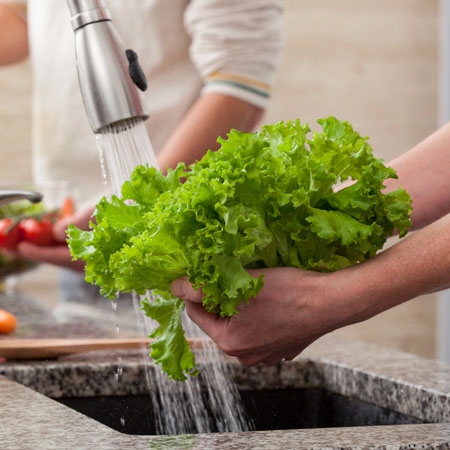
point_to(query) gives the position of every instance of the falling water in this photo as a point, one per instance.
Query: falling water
(122, 147)
(206, 403)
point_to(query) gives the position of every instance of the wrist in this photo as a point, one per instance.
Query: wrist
(364, 290)
(326, 299)
(352, 297)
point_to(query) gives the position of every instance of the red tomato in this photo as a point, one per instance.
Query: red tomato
(37, 232)
(9, 234)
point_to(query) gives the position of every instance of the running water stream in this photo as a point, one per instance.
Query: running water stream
(205, 403)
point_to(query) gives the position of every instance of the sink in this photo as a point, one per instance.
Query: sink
(270, 409)
(336, 395)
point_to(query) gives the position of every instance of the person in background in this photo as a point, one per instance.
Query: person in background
(296, 307)
(210, 66)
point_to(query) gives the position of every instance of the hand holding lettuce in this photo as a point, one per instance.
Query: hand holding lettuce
(263, 200)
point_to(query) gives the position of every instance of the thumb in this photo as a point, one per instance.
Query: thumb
(80, 219)
(181, 288)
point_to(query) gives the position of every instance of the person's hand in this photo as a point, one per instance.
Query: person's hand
(58, 254)
(293, 309)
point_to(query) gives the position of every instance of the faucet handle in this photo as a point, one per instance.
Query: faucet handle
(135, 70)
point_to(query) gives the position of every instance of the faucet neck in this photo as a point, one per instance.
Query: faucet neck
(12, 195)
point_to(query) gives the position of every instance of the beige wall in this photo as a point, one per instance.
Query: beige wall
(371, 63)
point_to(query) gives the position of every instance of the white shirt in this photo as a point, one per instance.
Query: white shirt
(186, 48)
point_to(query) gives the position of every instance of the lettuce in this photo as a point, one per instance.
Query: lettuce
(264, 199)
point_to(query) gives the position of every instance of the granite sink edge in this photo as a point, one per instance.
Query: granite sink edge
(349, 368)
(402, 382)
(33, 421)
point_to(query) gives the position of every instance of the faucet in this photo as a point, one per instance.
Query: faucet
(12, 195)
(108, 74)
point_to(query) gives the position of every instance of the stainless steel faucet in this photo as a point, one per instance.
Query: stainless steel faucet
(12, 195)
(108, 73)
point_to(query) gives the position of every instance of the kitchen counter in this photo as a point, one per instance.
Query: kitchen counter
(31, 420)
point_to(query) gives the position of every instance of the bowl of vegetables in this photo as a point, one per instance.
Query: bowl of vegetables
(22, 220)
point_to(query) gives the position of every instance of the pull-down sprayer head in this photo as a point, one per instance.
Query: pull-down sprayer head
(108, 73)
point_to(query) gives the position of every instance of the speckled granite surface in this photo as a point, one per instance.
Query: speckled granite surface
(32, 421)
(401, 382)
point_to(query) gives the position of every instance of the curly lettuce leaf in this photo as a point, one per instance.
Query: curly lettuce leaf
(171, 349)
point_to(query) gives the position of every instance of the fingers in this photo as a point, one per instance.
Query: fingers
(276, 358)
(80, 219)
(59, 255)
(272, 359)
(181, 288)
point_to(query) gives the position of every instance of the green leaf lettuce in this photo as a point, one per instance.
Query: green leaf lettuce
(264, 199)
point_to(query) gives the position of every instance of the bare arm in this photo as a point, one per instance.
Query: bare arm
(13, 37)
(418, 265)
(212, 115)
(424, 173)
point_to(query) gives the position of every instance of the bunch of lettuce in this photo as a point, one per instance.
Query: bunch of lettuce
(264, 199)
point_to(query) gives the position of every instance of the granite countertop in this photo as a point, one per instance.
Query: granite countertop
(31, 420)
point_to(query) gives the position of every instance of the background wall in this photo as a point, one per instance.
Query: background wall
(374, 64)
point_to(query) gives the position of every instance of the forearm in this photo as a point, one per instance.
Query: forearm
(423, 172)
(13, 37)
(418, 265)
(212, 115)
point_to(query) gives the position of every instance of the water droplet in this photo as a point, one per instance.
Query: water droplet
(101, 157)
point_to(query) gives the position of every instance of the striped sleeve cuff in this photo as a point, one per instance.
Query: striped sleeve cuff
(244, 88)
